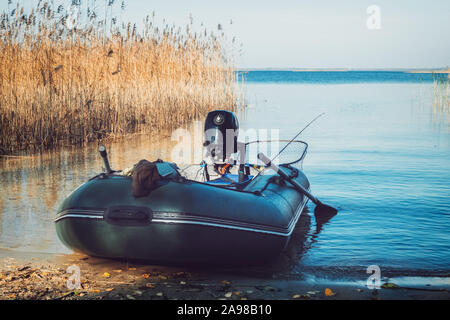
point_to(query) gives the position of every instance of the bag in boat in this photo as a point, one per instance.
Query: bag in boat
(145, 174)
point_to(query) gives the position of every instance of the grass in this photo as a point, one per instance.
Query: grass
(70, 81)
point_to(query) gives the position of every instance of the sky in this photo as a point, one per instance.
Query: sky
(315, 34)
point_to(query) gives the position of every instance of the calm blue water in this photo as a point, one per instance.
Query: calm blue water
(331, 77)
(380, 154)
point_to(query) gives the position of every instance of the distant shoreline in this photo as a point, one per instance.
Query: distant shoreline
(442, 70)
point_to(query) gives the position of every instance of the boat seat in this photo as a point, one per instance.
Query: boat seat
(229, 179)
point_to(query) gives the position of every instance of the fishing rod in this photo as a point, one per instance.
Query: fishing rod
(322, 210)
(310, 123)
(290, 141)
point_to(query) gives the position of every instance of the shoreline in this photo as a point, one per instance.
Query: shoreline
(38, 276)
(406, 70)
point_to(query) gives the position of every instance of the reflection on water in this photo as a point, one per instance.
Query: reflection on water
(34, 186)
(441, 103)
(381, 154)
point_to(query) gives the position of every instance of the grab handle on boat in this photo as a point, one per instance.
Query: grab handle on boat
(128, 215)
(104, 155)
(321, 208)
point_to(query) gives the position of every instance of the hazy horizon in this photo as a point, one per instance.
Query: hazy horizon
(311, 35)
(344, 69)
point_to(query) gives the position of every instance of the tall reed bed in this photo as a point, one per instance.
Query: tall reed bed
(441, 89)
(69, 75)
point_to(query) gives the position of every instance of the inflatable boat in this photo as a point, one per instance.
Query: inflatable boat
(240, 218)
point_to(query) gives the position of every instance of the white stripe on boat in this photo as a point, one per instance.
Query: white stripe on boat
(180, 218)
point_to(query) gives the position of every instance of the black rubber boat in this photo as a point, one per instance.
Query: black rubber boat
(234, 219)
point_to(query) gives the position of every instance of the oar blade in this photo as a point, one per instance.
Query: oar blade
(324, 211)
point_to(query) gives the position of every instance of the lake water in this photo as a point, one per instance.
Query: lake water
(380, 154)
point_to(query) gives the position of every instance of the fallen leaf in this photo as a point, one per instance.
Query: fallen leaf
(109, 289)
(182, 282)
(159, 294)
(329, 292)
(12, 296)
(96, 291)
(149, 285)
(237, 293)
(145, 275)
(106, 275)
(226, 283)
(131, 269)
(163, 277)
(243, 298)
(130, 297)
(295, 296)
(228, 294)
(118, 270)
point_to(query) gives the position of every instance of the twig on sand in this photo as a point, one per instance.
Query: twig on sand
(64, 295)
(115, 282)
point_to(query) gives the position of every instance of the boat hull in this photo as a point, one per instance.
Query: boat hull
(181, 222)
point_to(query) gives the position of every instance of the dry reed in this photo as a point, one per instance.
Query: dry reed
(441, 90)
(63, 81)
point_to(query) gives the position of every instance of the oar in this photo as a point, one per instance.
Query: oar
(104, 155)
(322, 210)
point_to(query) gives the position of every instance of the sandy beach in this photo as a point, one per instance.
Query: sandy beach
(43, 277)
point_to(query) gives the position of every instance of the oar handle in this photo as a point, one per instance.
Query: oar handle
(268, 162)
(104, 156)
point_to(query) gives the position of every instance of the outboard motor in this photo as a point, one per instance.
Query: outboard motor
(221, 142)
(221, 131)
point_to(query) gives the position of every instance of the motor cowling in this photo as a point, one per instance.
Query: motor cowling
(221, 135)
